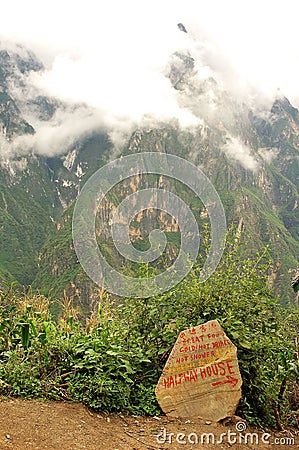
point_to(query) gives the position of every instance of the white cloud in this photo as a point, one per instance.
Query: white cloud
(248, 43)
(240, 152)
(268, 154)
(112, 57)
(60, 133)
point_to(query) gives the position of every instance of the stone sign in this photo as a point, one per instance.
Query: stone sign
(201, 378)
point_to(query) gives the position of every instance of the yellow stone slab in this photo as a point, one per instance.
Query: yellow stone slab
(201, 378)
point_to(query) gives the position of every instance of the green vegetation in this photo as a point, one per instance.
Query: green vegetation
(113, 359)
(24, 224)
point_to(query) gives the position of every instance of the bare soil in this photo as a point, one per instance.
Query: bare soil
(35, 425)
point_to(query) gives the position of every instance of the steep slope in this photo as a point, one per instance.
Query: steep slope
(254, 201)
(251, 157)
(34, 190)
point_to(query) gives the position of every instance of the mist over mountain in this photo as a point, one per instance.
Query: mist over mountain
(54, 135)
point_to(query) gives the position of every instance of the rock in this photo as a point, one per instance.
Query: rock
(232, 420)
(201, 378)
(182, 27)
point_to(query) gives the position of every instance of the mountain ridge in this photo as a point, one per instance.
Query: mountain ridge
(252, 159)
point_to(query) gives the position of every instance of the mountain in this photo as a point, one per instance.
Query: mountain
(250, 155)
(35, 189)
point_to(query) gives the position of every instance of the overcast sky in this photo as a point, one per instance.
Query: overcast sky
(112, 55)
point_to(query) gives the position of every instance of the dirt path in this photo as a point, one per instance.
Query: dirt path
(33, 425)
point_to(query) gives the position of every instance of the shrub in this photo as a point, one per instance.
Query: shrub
(114, 360)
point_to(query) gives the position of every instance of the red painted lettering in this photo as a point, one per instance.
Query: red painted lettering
(186, 376)
(203, 372)
(222, 368)
(215, 369)
(229, 366)
(193, 375)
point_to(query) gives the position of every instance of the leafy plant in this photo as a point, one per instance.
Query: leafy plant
(114, 359)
